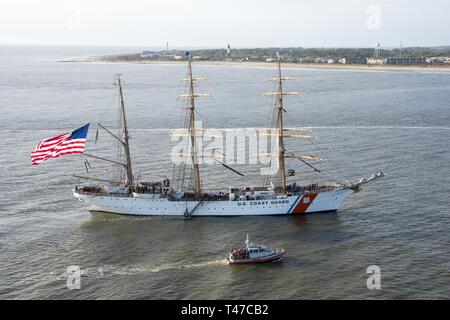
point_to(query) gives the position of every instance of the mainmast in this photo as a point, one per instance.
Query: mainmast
(191, 127)
(192, 131)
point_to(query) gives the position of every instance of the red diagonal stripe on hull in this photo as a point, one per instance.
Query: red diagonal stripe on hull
(304, 203)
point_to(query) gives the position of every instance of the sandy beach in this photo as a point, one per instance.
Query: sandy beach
(251, 64)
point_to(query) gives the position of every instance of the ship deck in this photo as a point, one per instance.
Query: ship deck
(312, 189)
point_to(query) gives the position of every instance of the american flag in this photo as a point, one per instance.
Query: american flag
(64, 144)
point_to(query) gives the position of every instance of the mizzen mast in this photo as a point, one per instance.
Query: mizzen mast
(126, 137)
(123, 141)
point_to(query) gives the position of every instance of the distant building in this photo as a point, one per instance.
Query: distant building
(437, 60)
(146, 54)
(353, 60)
(405, 60)
(376, 60)
(198, 58)
(320, 60)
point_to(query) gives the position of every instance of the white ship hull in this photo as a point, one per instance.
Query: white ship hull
(146, 206)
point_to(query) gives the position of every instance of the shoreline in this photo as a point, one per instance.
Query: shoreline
(258, 64)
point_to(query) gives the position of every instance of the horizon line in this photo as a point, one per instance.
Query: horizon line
(181, 47)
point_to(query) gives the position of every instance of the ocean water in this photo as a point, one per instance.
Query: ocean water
(397, 122)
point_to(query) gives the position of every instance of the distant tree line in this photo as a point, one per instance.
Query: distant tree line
(294, 54)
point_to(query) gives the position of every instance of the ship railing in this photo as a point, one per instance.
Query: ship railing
(225, 198)
(310, 190)
(296, 191)
(103, 194)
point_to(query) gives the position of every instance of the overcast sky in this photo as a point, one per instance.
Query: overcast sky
(214, 23)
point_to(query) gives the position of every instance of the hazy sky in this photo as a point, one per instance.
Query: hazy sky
(212, 23)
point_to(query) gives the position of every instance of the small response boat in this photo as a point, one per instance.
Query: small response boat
(253, 253)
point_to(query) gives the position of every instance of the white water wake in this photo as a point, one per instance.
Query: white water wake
(105, 271)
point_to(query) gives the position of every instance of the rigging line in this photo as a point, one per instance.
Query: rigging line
(115, 167)
(331, 163)
(108, 107)
(229, 168)
(199, 114)
(274, 141)
(272, 113)
(183, 173)
(120, 153)
(179, 169)
(223, 164)
(320, 171)
(331, 178)
(309, 165)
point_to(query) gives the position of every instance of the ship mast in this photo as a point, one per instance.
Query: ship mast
(192, 131)
(281, 163)
(280, 130)
(125, 142)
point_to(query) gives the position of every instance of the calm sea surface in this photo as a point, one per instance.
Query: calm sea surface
(366, 121)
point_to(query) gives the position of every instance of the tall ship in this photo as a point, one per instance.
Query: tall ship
(183, 195)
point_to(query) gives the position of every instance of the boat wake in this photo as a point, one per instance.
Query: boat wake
(106, 271)
(217, 262)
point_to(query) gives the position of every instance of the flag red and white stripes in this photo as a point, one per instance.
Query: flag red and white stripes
(65, 144)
